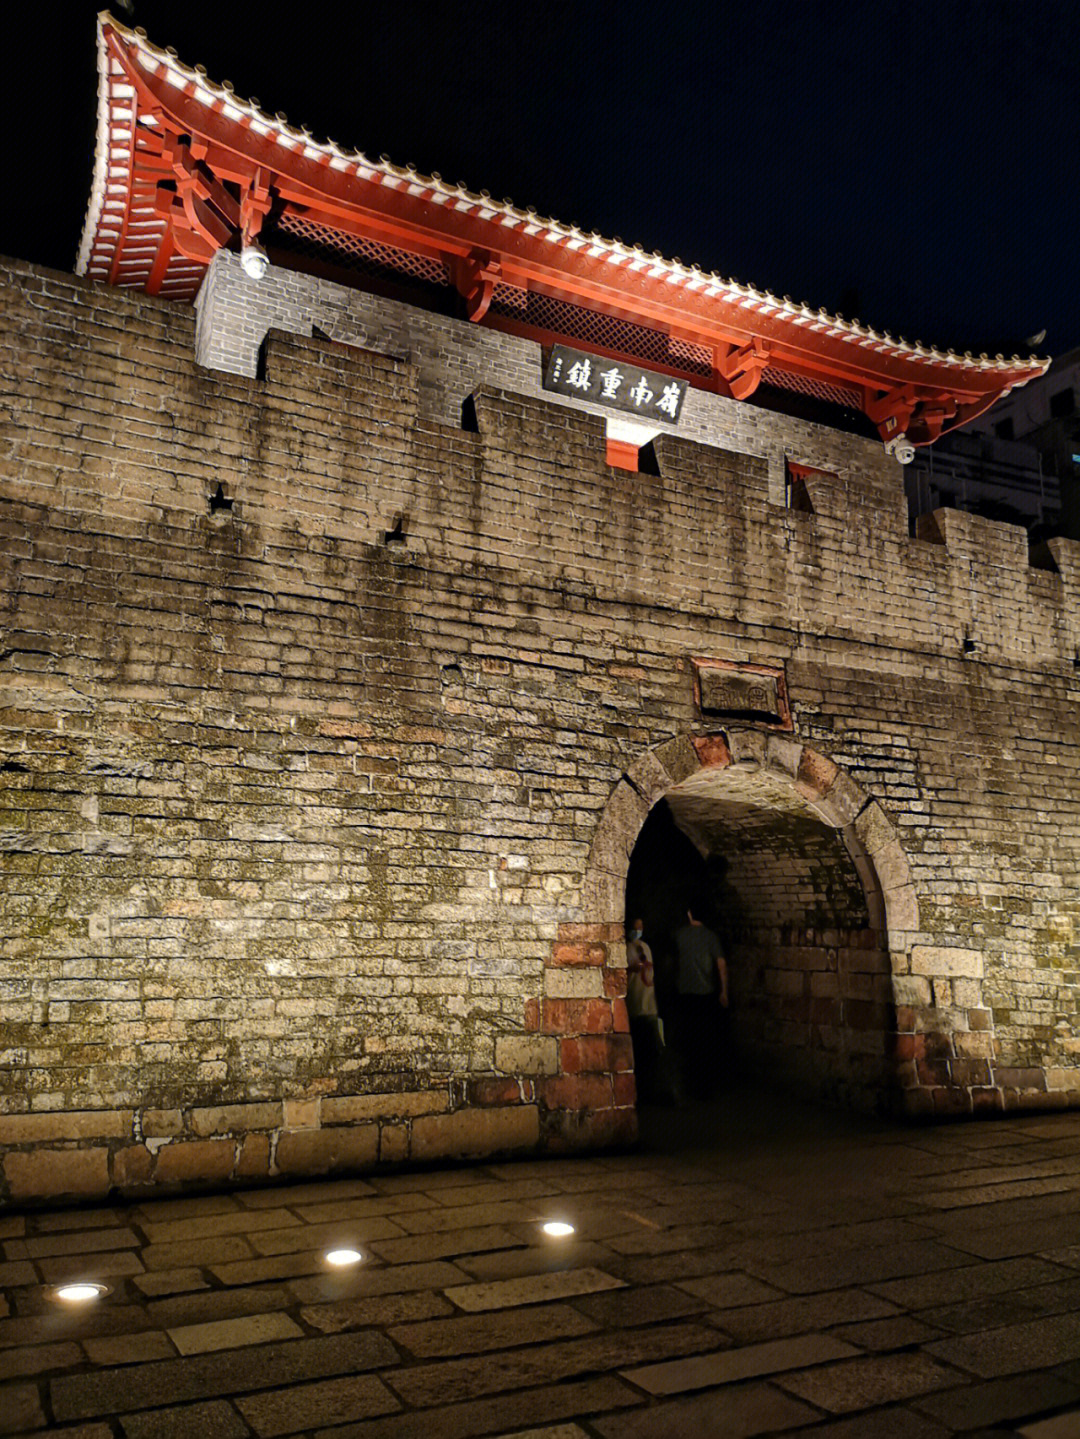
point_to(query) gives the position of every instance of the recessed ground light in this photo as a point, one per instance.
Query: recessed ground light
(340, 1258)
(558, 1228)
(79, 1293)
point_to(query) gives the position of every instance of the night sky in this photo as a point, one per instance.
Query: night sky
(914, 165)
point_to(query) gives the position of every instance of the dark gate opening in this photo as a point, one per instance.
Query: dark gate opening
(811, 1000)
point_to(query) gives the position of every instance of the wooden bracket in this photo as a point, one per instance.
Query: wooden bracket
(741, 368)
(891, 410)
(474, 277)
(255, 205)
(203, 215)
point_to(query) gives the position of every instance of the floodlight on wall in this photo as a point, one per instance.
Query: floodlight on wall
(254, 260)
(558, 1229)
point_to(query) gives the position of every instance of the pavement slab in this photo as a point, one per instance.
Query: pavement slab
(736, 1413)
(729, 1366)
(531, 1289)
(858, 1384)
(999, 1401)
(216, 1420)
(755, 1268)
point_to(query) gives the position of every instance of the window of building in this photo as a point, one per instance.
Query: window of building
(1004, 429)
(1062, 404)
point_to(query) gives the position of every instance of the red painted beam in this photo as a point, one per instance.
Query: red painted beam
(899, 391)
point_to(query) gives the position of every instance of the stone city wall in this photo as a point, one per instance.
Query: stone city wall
(318, 793)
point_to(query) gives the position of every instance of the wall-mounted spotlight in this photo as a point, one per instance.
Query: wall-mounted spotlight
(254, 260)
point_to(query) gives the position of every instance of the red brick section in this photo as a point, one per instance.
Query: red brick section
(712, 750)
(593, 1100)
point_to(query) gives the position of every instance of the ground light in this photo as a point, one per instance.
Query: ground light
(81, 1293)
(341, 1258)
(558, 1228)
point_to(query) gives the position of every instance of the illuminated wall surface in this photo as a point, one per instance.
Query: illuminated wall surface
(329, 727)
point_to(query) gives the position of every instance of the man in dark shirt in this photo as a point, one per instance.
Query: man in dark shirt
(701, 980)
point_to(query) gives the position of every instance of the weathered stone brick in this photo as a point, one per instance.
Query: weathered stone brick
(474, 1132)
(50, 1173)
(318, 1151)
(184, 1160)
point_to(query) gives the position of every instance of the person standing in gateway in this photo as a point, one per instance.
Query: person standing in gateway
(701, 982)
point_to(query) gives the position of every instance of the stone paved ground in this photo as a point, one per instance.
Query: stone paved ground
(756, 1268)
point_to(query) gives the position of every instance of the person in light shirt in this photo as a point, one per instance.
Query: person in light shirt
(646, 1026)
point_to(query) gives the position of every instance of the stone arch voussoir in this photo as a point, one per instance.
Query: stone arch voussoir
(866, 831)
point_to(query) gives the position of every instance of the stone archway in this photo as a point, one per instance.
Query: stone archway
(829, 911)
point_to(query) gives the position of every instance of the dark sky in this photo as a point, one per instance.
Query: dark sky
(916, 165)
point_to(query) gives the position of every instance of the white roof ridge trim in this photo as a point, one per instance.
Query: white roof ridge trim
(557, 232)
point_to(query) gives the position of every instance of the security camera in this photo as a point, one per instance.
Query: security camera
(254, 260)
(901, 449)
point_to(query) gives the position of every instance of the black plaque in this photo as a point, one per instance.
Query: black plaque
(616, 383)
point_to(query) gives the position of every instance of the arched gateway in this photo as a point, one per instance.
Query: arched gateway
(816, 891)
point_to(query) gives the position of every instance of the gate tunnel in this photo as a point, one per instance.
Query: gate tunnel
(776, 853)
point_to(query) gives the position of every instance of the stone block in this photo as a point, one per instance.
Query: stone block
(132, 1166)
(331, 1402)
(235, 1118)
(712, 751)
(57, 1173)
(393, 1143)
(941, 962)
(871, 1380)
(618, 829)
(902, 909)
(730, 1366)
(911, 990)
(815, 774)
(748, 747)
(189, 1161)
(531, 1289)
(598, 1053)
(476, 1131)
(840, 805)
(162, 1123)
(319, 1151)
(360, 1108)
(61, 1125)
(566, 1130)
(301, 1113)
(576, 1091)
(574, 983)
(220, 1334)
(527, 1054)
(213, 1420)
(649, 777)
(254, 1160)
(784, 755)
(679, 758)
(604, 894)
(22, 1408)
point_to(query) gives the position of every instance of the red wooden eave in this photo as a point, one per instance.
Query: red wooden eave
(185, 169)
